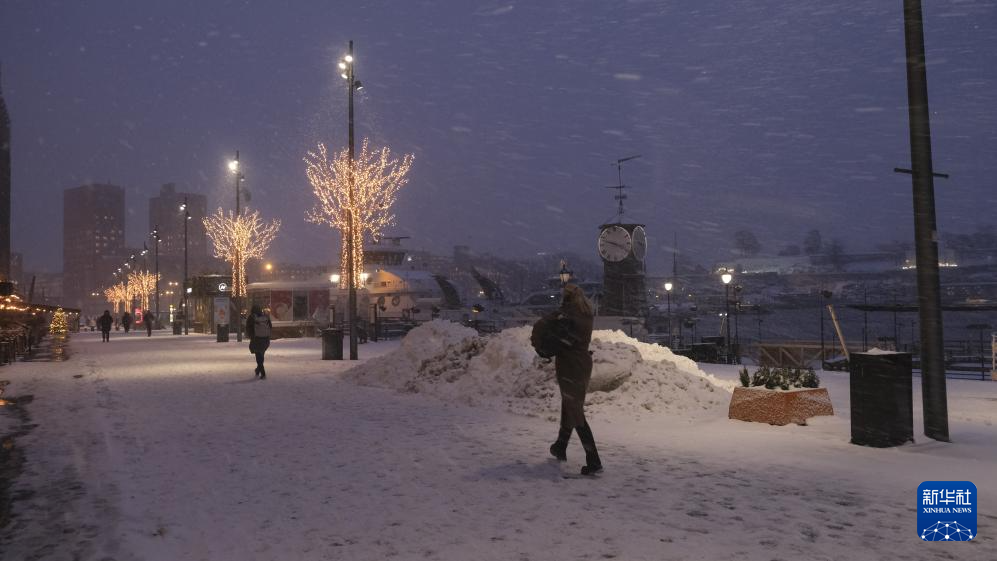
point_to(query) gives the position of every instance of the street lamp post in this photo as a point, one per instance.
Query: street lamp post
(824, 295)
(155, 236)
(668, 300)
(234, 167)
(564, 274)
(186, 310)
(726, 278)
(347, 67)
(737, 330)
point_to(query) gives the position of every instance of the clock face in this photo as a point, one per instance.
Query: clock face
(614, 244)
(640, 243)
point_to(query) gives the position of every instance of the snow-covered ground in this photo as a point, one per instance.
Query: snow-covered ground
(168, 449)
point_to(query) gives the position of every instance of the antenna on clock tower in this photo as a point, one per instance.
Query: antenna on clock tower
(620, 197)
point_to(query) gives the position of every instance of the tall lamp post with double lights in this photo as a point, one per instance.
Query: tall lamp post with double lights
(233, 166)
(726, 278)
(668, 301)
(186, 312)
(347, 72)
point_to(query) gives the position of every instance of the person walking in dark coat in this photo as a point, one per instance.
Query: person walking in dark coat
(105, 321)
(148, 319)
(573, 368)
(258, 328)
(126, 321)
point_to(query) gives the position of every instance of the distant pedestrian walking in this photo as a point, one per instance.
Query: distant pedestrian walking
(105, 321)
(573, 368)
(148, 319)
(126, 321)
(258, 328)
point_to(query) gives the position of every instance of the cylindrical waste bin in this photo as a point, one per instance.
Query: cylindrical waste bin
(332, 344)
(177, 327)
(882, 399)
(222, 331)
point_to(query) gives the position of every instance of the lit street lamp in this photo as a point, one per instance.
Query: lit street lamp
(726, 278)
(564, 273)
(668, 300)
(233, 166)
(185, 209)
(155, 235)
(347, 67)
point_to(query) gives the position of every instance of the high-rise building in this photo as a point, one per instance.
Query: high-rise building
(93, 241)
(4, 190)
(164, 213)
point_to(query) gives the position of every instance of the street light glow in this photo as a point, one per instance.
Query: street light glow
(668, 287)
(726, 277)
(345, 77)
(334, 278)
(348, 58)
(233, 165)
(342, 66)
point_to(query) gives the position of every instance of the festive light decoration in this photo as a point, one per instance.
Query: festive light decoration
(119, 293)
(142, 284)
(59, 325)
(13, 303)
(377, 179)
(237, 239)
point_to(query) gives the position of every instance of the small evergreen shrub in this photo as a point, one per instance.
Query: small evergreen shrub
(781, 378)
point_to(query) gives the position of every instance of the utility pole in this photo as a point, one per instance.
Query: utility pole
(933, 390)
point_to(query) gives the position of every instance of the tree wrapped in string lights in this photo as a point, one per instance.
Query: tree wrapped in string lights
(377, 179)
(142, 284)
(237, 239)
(119, 293)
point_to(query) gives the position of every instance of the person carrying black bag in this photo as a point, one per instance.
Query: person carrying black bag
(566, 334)
(258, 328)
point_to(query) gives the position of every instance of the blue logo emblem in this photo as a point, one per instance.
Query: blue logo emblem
(946, 511)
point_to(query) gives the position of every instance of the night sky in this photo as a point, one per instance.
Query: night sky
(778, 117)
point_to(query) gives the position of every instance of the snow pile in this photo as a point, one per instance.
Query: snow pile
(502, 370)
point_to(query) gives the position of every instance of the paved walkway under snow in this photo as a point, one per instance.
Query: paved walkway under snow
(168, 449)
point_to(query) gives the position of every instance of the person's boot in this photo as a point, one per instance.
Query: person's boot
(560, 447)
(592, 463)
(263, 373)
(256, 371)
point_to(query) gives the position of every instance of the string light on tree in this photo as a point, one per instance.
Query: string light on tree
(237, 239)
(59, 325)
(377, 179)
(142, 284)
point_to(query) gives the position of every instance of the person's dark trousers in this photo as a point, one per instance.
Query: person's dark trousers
(260, 371)
(149, 330)
(105, 336)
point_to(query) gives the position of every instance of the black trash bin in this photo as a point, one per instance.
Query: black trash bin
(177, 327)
(332, 344)
(882, 399)
(222, 331)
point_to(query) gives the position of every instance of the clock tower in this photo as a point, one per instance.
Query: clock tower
(623, 248)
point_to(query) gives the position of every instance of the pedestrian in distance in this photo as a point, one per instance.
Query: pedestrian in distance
(148, 319)
(258, 328)
(126, 321)
(105, 322)
(573, 369)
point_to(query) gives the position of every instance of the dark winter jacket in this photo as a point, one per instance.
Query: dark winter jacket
(126, 319)
(257, 344)
(105, 321)
(573, 363)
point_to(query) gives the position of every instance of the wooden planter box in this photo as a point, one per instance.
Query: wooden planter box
(776, 407)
